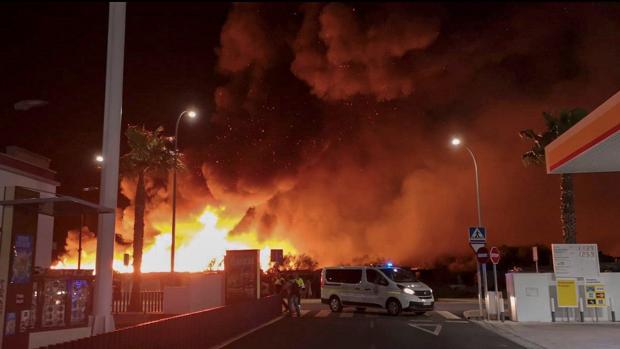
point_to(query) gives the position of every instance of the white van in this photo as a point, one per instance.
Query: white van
(392, 288)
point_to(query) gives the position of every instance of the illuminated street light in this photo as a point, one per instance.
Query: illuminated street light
(456, 142)
(192, 114)
(99, 158)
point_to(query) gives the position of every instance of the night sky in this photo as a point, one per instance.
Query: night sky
(332, 120)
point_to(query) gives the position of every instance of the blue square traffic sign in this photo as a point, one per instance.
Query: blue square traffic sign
(477, 235)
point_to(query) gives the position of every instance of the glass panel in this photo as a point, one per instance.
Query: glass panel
(400, 274)
(54, 295)
(79, 301)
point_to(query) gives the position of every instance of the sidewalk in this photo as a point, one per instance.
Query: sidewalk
(603, 335)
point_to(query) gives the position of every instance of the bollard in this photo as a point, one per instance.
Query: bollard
(581, 309)
(501, 309)
(613, 313)
(552, 310)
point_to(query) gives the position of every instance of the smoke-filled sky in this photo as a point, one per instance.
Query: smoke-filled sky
(332, 121)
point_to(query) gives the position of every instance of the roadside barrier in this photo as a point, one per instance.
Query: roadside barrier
(200, 329)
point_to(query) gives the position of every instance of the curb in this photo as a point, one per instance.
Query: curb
(503, 332)
(472, 315)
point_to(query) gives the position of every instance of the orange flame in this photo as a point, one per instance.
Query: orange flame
(201, 244)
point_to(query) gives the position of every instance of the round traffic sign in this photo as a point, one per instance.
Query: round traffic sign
(494, 255)
(483, 255)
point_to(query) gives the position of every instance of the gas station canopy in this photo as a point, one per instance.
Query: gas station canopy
(592, 145)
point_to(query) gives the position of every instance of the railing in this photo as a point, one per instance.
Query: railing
(201, 329)
(152, 302)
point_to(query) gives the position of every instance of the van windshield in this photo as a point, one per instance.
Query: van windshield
(399, 274)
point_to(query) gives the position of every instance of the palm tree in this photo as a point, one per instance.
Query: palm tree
(556, 125)
(150, 154)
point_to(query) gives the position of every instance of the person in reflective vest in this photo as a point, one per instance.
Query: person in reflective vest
(297, 285)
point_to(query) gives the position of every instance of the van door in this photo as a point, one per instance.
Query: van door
(376, 288)
(352, 285)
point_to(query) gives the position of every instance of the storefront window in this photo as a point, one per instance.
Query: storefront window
(79, 301)
(54, 295)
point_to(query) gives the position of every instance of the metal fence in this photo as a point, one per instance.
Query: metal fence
(152, 302)
(201, 329)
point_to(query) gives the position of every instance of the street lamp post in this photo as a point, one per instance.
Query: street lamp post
(457, 142)
(192, 114)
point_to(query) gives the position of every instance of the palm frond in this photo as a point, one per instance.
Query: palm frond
(532, 158)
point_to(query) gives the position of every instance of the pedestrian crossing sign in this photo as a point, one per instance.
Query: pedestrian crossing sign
(477, 235)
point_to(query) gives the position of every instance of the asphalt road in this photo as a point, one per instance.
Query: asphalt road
(318, 328)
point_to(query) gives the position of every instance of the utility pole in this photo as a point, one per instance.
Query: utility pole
(103, 320)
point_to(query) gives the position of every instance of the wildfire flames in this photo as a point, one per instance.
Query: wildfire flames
(201, 243)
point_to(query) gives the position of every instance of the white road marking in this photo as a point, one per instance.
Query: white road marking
(222, 345)
(323, 313)
(346, 314)
(304, 313)
(457, 322)
(421, 327)
(447, 315)
(371, 315)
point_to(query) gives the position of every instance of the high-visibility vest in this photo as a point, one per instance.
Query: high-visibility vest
(300, 283)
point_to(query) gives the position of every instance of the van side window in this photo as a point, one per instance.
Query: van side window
(374, 277)
(346, 276)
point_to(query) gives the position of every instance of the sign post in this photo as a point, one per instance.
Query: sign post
(535, 256)
(477, 239)
(483, 258)
(495, 256)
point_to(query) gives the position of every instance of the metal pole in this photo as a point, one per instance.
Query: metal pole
(473, 157)
(477, 186)
(486, 288)
(496, 292)
(174, 192)
(479, 290)
(102, 311)
(80, 242)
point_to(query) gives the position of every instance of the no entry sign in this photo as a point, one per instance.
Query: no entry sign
(483, 255)
(494, 255)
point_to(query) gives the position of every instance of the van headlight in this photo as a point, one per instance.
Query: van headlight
(407, 290)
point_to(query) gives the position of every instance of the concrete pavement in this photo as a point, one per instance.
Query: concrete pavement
(558, 335)
(374, 329)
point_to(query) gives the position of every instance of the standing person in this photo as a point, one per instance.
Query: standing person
(294, 294)
(281, 290)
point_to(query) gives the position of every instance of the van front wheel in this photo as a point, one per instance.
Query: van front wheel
(335, 305)
(393, 307)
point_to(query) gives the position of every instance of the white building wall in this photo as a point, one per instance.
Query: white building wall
(204, 292)
(45, 227)
(530, 297)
